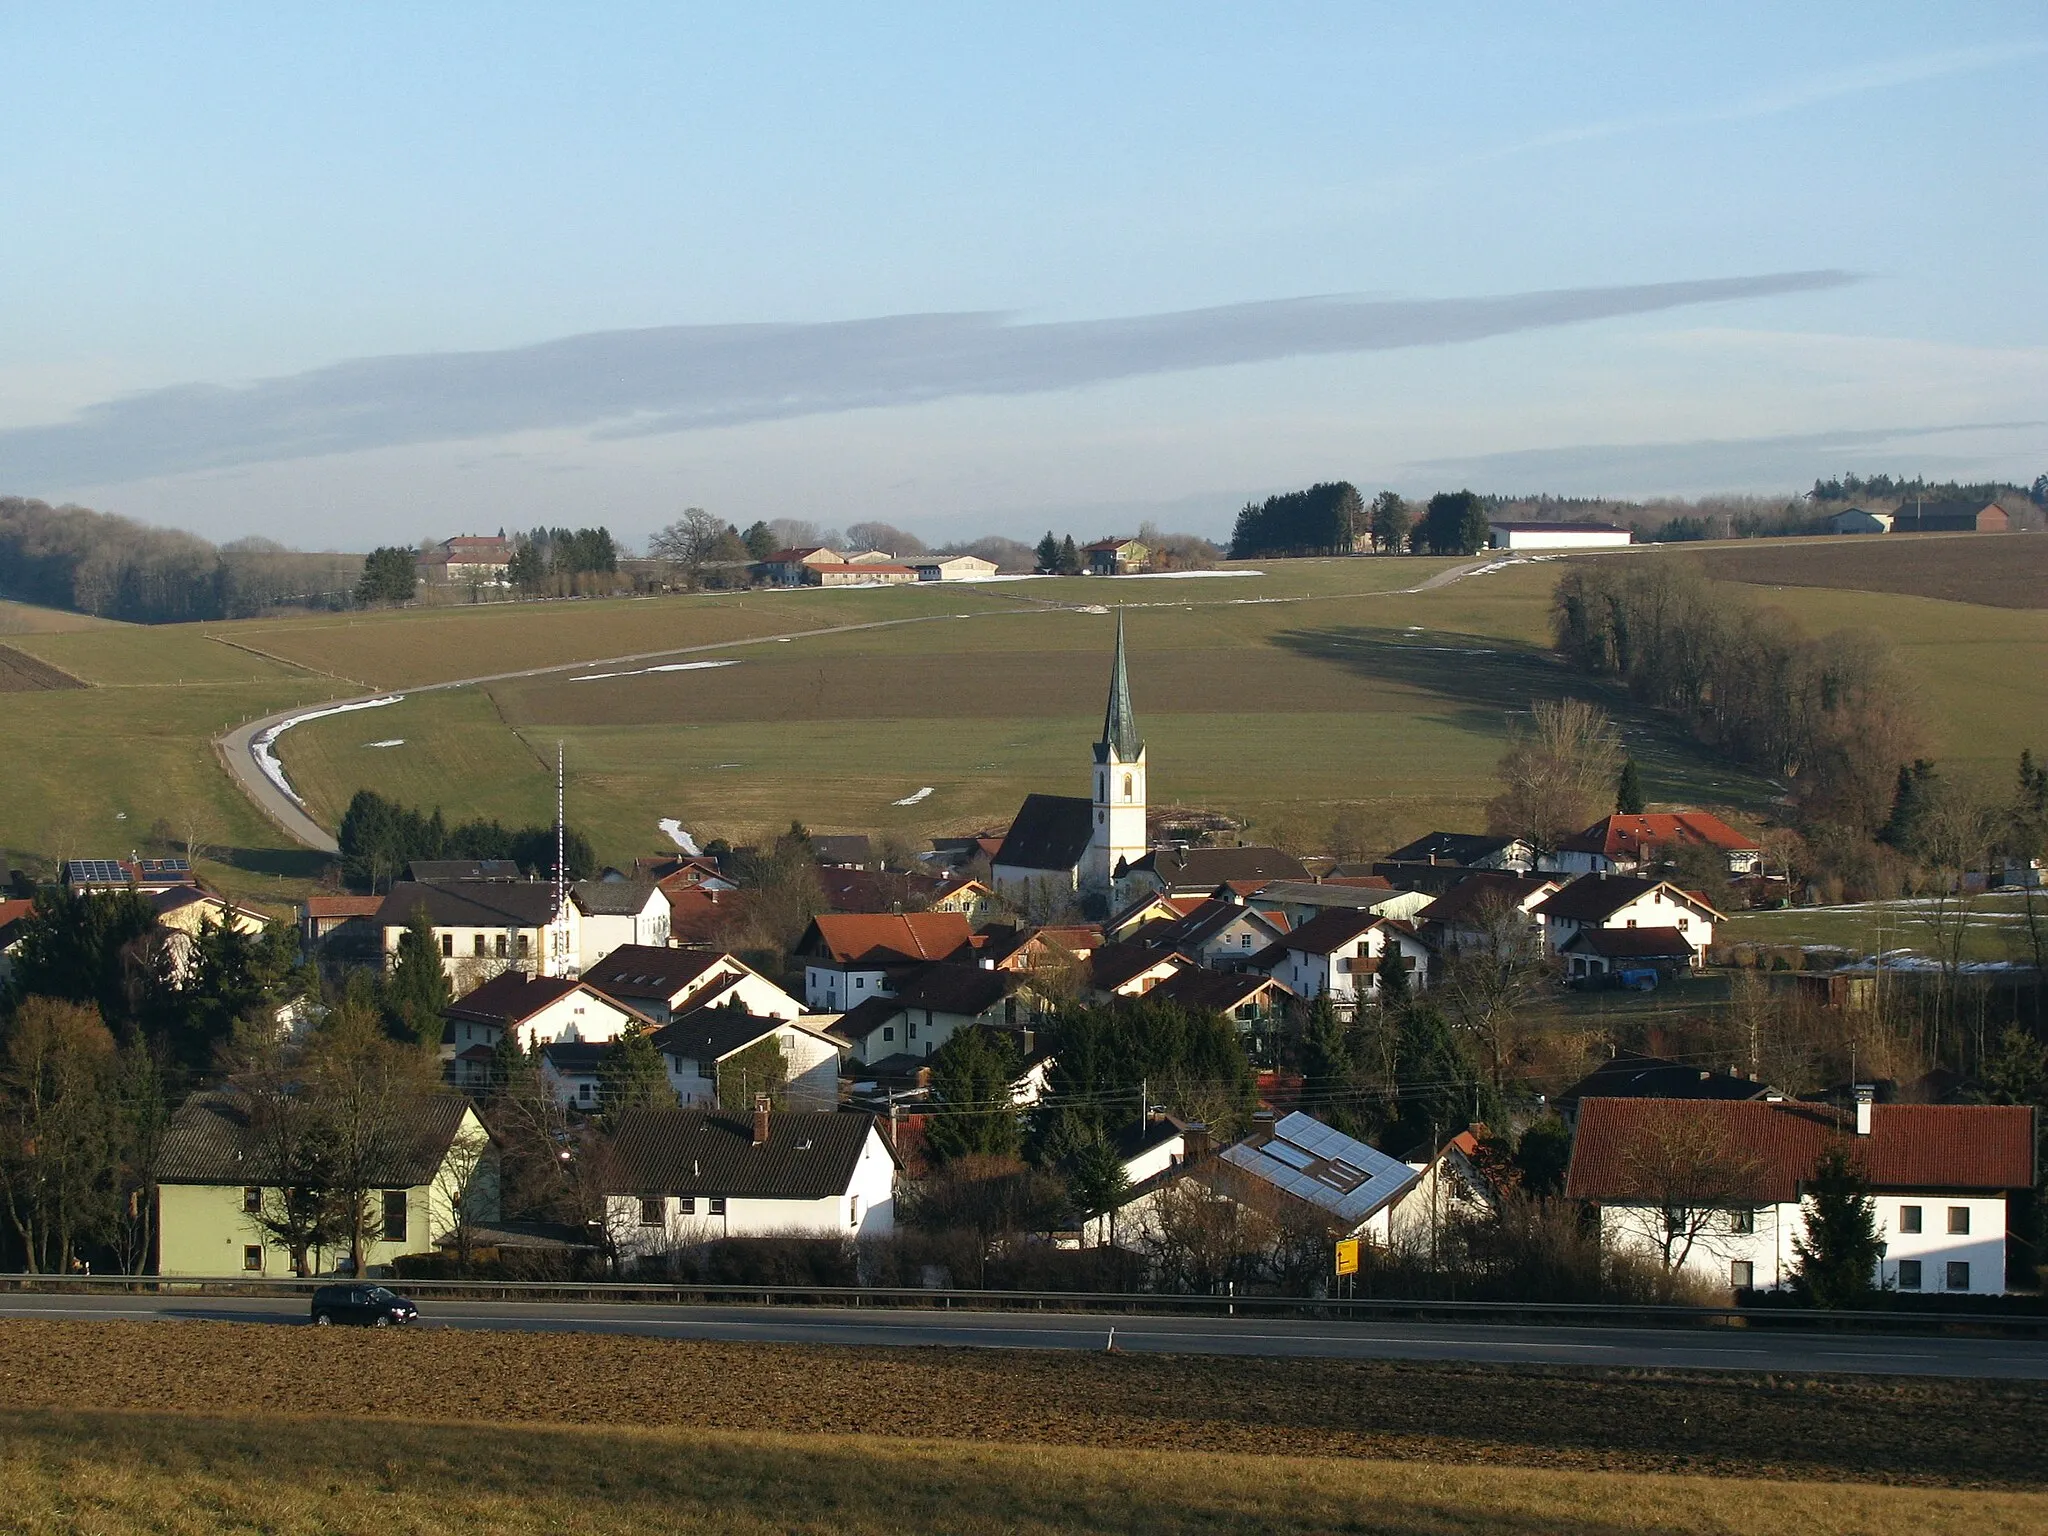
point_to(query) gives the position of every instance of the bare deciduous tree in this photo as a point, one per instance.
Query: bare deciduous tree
(1557, 773)
(1685, 1165)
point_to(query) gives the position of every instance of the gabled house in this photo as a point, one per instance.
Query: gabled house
(1130, 970)
(573, 1071)
(952, 568)
(1452, 1187)
(183, 910)
(844, 850)
(1115, 557)
(1485, 910)
(927, 1008)
(484, 927)
(144, 875)
(1301, 901)
(664, 983)
(1718, 1189)
(218, 1176)
(1252, 1000)
(1629, 1075)
(850, 957)
(797, 567)
(704, 915)
(616, 912)
(680, 1178)
(1150, 907)
(1959, 516)
(876, 890)
(466, 558)
(1340, 955)
(1625, 901)
(541, 1010)
(14, 916)
(1636, 956)
(1221, 935)
(1467, 850)
(1642, 844)
(699, 1047)
(970, 898)
(351, 918)
(1199, 871)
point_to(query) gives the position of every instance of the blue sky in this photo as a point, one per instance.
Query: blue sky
(373, 274)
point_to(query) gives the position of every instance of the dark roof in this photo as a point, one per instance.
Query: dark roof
(868, 890)
(864, 1018)
(1629, 1076)
(1552, 527)
(211, 1140)
(1592, 897)
(843, 848)
(1051, 832)
(471, 904)
(442, 870)
(1119, 721)
(1213, 991)
(808, 1156)
(1206, 868)
(1477, 890)
(712, 1034)
(613, 898)
(1327, 931)
(1135, 1137)
(1114, 964)
(1777, 1145)
(507, 999)
(961, 989)
(1322, 893)
(1200, 925)
(1631, 943)
(575, 1058)
(652, 970)
(1449, 848)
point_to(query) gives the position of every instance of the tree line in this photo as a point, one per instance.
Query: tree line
(379, 837)
(1333, 519)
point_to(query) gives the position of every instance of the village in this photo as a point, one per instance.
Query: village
(1066, 1053)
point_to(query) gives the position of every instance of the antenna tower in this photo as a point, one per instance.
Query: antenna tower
(561, 934)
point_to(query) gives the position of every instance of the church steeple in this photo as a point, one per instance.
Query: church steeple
(1120, 741)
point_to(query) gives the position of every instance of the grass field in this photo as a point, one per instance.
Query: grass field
(2003, 570)
(1996, 929)
(1280, 697)
(23, 673)
(236, 1427)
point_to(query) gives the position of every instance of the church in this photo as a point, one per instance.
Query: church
(1064, 843)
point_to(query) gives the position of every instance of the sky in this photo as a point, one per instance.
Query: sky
(340, 276)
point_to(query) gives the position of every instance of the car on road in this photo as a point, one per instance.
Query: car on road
(367, 1306)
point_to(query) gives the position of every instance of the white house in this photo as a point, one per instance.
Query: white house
(699, 1047)
(617, 912)
(850, 957)
(1340, 955)
(1449, 1188)
(665, 983)
(1221, 935)
(1521, 536)
(952, 567)
(542, 1010)
(1625, 901)
(1718, 1188)
(926, 1009)
(1487, 909)
(486, 927)
(1640, 844)
(1302, 901)
(679, 1178)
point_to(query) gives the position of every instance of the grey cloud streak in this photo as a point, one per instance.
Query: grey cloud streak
(676, 378)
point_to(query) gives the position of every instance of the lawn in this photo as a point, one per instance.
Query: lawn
(1996, 927)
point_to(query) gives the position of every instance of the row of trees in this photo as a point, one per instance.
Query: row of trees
(550, 560)
(378, 837)
(1332, 519)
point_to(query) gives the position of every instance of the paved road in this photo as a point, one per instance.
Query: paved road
(1647, 1348)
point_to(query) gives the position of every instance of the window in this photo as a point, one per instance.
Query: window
(1674, 1220)
(889, 1032)
(861, 982)
(583, 1092)
(686, 1205)
(252, 1258)
(1909, 1218)
(501, 946)
(447, 946)
(854, 1212)
(252, 1201)
(717, 1204)
(1684, 923)
(1127, 786)
(1742, 1221)
(1958, 1275)
(653, 1211)
(1959, 1219)
(913, 1028)
(1742, 1275)
(394, 1215)
(1631, 922)
(525, 945)
(1909, 1274)
(481, 947)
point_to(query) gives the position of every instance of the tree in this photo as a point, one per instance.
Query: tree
(689, 542)
(631, 1074)
(57, 1151)
(367, 1089)
(1455, 523)
(1048, 553)
(1435, 1088)
(416, 993)
(1557, 773)
(1628, 793)
(888, 539)
(1391, 521)
(1835, 1259)
(1070, 557)
(993, 1198)
(1097, 1182)
(760, 541)
(975, 1113)
(1492, 978)
(389, 576)
(745, 1075)
(1683, 1163)
(85, 947)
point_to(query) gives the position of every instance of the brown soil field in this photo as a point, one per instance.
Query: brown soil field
(23, 673)
(1999, 570)
(1918, 1431)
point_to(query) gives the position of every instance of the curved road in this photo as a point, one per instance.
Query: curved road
(237, 748)
(1726, 1349)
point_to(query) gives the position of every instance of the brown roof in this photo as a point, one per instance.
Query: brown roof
(808, 1156)
(1470, 894)
(509, 999)
(1655, 836)
(1113, 965)
(654, 970)
(1592, 898)
(699, 916)
(212, 1139)
(343, 906)
(1910, 1146)
(845, 936)
(1631, 943)
(1327, 932)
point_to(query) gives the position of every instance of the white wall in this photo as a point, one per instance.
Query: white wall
(600, 933)
(830, 989)
(1560, 538)
(578, 1015)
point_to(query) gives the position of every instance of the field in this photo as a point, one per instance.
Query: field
(1996, 930)
(2007, 570)
(222, 1426)
(23, 673)
(1282, 698)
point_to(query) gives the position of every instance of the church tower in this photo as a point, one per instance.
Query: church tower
(1117, 837)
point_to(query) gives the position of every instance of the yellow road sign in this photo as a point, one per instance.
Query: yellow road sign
(1347, 1256)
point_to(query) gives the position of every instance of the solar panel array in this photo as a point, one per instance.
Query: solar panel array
(1328, 1169)
(94, 872)
(153, 867)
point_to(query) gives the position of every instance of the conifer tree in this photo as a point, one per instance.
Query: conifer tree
(1835, 1260)
(1628, 792)
(417, 993)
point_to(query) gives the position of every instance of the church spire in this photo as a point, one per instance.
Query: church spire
(1119, 723)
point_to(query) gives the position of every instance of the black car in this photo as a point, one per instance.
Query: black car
(371, 1306)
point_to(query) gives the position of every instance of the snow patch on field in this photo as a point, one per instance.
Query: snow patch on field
(678, 836)
(667, 666)
(263, 748)
(395, 741)
(913, 799)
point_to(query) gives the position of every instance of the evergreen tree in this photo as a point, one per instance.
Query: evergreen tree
(82, 946)
(1097, 1182)
(416, 993)
(1835, 1260)
(631, 1075)
(1390, 522)
(760, 541)
(1049, 554)
(971, 1077)
(389, 576)
(1455, 523)
(1917, 788)
(508, 1058)
(1435, 1088)
(1628, 793)
(1070, 557)
(760, 1068)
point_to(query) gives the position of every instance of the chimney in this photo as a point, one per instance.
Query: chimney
(1195, 1139)
(1866, 1095)
(760, 1119)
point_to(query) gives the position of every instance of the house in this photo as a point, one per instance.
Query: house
(953, 568)
(1467, 850)
(144, 875)
(1251, 1000)
(1148, 1150)
(1221, 935)
(702, 915)
(539, 1009)
(1295, 902)
(664, 983)
(850, 957)
(970, 898)
(1632, 844)
(441, 871)
(14, 916)
(679, 1178)
(1052, 947)
(844, 850)
(1150, 907)
(1625, 901)
(616, 912)
(1627, 1075)
(699, 1047)
(1485, 910)
(1521, 536)
(797, 567)
(484, 927)
(1045, 847)
(1129, 970)
(1718, 1189)
(1951, 517)
(1856, 520)
(924, 1010)
(1116, 557)
(324, 917)
(684, 873)
(573, 1071)
(468, 557)
(1199, 871)
(1593, 953)
(862, 573)
(218, 1173)
(1339, 955)
(1452, 1188)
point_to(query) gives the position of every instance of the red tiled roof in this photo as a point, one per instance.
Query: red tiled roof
(1647, 836)
(342, 906)
(907, 935)
(1910, 1146)
(1328, 931)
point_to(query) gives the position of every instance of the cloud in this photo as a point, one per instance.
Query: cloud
(679, 378)
(1705, 465)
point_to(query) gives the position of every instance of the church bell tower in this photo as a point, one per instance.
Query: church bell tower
(1117, 837)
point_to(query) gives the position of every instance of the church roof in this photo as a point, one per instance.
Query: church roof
(1119, 721)
(1051, 832)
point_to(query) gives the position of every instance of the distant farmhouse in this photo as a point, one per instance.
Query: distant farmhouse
(1521, 536)
(1116, 557)
(816, 566)
(467, 557)
(1951, 517)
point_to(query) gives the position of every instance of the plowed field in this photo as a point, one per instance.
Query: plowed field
(23, 673)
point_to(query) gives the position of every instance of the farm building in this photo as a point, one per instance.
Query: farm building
(1628, 844)
(953, 568)
(1951, 517)
(1856, 520)
(465, 558)
(797, 567)
(1116, 557)
(1521, 536)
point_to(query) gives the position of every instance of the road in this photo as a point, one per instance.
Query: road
(1372, 1339)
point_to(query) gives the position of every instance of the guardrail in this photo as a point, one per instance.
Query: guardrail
(670, 1293)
